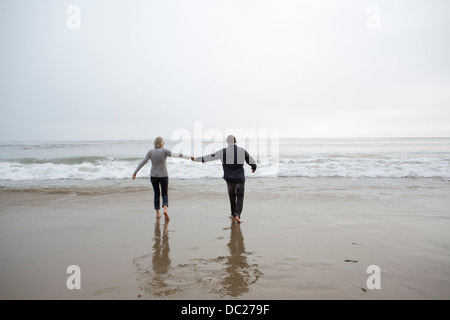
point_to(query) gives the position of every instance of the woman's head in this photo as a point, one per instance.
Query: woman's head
(159, 142)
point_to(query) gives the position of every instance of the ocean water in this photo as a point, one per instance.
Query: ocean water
(79, 163)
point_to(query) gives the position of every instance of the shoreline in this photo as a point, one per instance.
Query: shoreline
(301, 239)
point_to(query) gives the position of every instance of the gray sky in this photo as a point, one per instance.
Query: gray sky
(137, 69)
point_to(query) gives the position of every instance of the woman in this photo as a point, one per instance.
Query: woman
(158, 174)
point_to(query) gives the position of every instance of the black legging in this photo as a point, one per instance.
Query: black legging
(236, 194)
(164, 183)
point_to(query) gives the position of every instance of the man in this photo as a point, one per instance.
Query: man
(232, 158)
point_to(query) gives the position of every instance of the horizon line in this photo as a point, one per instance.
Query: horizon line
(211, 140)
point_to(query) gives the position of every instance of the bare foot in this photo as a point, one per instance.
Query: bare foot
(165, 213)
(157, 214)
(236, 218)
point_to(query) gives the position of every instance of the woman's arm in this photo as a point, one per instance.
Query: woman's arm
(141, 164)
(176, 155)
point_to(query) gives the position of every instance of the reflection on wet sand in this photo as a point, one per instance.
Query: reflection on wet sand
(153, 276)
(224, 276)
(238, 270)
(161, 249)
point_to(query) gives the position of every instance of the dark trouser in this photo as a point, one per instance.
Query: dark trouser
(164, 183)
(236, 194)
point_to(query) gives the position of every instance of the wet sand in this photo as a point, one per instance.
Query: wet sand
(301, 239)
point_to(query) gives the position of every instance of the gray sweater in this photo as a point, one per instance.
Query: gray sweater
(158, 157)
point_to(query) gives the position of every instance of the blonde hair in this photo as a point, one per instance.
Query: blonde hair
(159, 142)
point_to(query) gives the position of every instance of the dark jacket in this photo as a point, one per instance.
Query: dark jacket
(232, 158)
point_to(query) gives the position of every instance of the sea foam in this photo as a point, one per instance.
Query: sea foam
(116, 168)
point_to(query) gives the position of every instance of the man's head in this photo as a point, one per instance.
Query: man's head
(231, 140)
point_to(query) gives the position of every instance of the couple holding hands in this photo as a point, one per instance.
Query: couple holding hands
(232, 158)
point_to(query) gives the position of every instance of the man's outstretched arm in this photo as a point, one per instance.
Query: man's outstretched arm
(249, 159)
(209, 157)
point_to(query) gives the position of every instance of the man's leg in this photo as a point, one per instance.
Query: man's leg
(240, 188)
(232, 195)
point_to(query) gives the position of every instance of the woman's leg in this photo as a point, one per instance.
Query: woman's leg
(157, 195)
(165, 194)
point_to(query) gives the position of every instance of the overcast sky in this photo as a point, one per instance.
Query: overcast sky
(138, 69)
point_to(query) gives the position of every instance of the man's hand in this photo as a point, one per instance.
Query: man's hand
(134, 176)
(192, 158)
(253, 171)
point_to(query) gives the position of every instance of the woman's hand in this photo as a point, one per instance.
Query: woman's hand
(192, 158)
(134, 176)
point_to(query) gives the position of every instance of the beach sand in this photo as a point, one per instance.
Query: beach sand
(301, 239)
